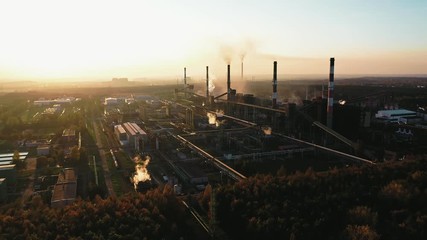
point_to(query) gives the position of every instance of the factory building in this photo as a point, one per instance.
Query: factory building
(121, 134)
(131, 134)
(65, 189)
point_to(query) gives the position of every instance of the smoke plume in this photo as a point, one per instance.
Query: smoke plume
(213, 118)
(141, 172)
(226, 52)
(211, 85)
(266, 130)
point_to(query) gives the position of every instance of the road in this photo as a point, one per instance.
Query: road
(104, 163)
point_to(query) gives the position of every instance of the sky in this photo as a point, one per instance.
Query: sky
(99, 40)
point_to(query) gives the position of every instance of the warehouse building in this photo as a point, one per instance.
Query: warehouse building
(132, 135)
(65, 190)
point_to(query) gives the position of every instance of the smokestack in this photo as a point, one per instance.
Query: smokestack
(207, 84)
(274, 97)
(330, 108)
(185, 77)
(241, 74)
(228, 83)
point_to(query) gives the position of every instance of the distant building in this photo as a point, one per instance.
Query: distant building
(120, 80)
(65, 190)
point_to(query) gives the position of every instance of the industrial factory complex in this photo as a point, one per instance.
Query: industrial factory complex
(207, 138)
(193, 134)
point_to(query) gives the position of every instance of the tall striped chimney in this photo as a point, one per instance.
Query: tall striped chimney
(330, 108)
(207, 84)
(274, 97)
(228, 83)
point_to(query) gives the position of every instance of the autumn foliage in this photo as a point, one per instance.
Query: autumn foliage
(386, 201)
(154, 215)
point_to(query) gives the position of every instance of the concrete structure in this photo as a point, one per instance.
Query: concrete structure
(64, 191)
(394, 116)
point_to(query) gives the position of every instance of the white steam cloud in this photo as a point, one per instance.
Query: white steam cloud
(141, 172)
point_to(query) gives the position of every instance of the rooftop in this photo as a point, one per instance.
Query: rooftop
(7, 167)
(396, 112)
(120, 128)
(133, 128)
(11, 154)
(65, 189)
(67, 175)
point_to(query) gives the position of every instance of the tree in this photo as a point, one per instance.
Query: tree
(356, 232)
(17, 161)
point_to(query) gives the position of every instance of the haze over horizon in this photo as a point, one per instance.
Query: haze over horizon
(48, 39)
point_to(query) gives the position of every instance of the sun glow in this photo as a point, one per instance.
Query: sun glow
(77, 38)
(139, 38)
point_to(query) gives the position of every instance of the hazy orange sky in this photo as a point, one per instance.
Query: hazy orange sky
(54, 39)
